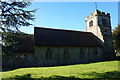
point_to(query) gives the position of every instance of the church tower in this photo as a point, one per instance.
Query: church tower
(99, 24)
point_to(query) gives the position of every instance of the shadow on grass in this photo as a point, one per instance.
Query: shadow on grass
(106, 75)
(115, 75)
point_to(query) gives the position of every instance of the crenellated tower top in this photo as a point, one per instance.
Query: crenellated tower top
(97, 13)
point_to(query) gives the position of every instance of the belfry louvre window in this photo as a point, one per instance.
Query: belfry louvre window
(90, 23)
(81, 54)
(104, 22)
(48, 54)
(66, 54)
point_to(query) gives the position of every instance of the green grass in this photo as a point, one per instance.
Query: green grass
(104, 70)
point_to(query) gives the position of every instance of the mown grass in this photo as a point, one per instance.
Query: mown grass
(103, 70)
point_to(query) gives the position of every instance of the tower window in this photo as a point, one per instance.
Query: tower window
(48, 54)
(104, 21)
(90, 23)
(66, 54)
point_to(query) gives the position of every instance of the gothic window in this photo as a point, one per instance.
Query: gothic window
(104, 21)
(66, 54)
(82, 53)
(90, 23)
(95, 53)
(48, 54)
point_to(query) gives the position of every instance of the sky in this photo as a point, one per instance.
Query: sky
(68, 15)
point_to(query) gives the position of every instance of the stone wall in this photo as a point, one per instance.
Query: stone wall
(73, 54)
(59, 56)
(18, 60)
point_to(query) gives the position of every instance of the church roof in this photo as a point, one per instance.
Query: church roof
(59, 37)
(25, 43)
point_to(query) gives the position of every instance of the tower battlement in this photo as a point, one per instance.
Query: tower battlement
(97, 13)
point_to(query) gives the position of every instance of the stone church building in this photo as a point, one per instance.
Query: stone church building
(59, 47)
(49, 46)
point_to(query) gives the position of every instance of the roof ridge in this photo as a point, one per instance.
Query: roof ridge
(63, 30)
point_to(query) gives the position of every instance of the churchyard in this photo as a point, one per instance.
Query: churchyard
(105, 70)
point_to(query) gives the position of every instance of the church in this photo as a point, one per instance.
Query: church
(51, 47)
(60, 47)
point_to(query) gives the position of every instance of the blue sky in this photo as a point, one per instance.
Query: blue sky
(68, 15)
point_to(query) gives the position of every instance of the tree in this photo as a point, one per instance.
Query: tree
(13, 16)
(116, 39)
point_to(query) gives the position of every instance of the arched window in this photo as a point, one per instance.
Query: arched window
(90, 23)
(66, 54)
(48, 54)
(82, 55)
(95, 53)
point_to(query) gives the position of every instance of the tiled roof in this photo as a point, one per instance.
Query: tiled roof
(59, 37)
(25, 43)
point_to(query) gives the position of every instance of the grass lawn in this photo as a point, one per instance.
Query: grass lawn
(106, 70)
